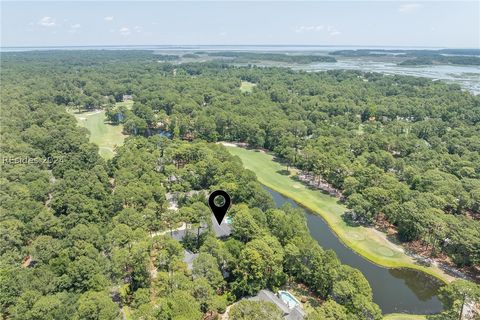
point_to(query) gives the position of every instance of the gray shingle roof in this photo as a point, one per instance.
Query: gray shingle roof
(189, 257)
(288, 314)
(295, 314)
(223, 230)
(265, 295)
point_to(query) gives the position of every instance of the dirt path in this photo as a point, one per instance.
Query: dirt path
(225, 316)
(159, 233)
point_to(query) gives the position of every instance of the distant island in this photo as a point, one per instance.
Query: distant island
(457, 60)
(419, 57)
(239, 56)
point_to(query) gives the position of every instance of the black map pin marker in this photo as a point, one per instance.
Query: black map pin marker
(219, 212)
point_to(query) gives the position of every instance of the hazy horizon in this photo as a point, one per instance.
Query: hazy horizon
(419, 24)
(193, 46)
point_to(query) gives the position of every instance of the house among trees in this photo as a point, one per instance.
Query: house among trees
(222, 230)
(295, 313)
(188, 258)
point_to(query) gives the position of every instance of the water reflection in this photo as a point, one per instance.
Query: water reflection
(424, 287)
(394, 290)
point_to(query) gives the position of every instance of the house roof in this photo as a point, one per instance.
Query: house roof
(222, 230)
(295, 314)
(288, 314)
(269, 296)
(189, 257)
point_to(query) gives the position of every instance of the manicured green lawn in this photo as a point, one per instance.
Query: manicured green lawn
(401, 316)
(106, 136)
(128, 104)
(368, 242)
(247, 86)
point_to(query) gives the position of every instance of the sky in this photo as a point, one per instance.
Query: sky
(452, 24)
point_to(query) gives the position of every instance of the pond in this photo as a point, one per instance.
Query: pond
(394, 290)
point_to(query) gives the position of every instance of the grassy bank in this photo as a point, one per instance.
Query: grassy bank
(368, 242)
(106, 136)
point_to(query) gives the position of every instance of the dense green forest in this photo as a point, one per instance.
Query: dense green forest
(402, 149)
(249, 57)
(83, 238)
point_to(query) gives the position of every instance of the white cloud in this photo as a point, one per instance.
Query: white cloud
(330, 30)
(125, 31)
(108, 18)
(47, 22)
(74, 28)
(138, 28)
(409, 7)
(222, 34)
(309, 28)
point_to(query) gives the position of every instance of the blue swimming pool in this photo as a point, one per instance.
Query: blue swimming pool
(289, 300)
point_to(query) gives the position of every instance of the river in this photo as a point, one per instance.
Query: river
(394, 290)
(468, 77)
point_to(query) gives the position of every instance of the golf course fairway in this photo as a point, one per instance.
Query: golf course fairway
(368, 242)
(104, 135)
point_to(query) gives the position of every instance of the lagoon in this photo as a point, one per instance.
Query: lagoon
(394, 290)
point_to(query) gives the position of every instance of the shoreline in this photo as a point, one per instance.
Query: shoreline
(336, 228)
(443, 278)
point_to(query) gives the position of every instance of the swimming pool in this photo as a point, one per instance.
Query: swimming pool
(228, 220)
(289, 300)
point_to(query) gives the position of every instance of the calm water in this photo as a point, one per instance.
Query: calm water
(468, 77)
(394, 290)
